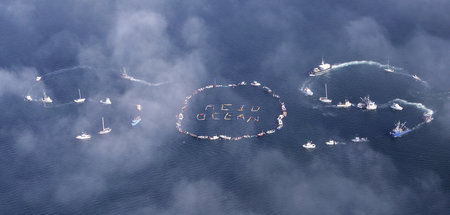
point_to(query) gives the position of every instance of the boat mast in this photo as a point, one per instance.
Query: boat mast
(103, 123)
(326, 91)
(79, 93)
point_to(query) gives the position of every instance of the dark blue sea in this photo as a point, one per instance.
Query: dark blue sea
(152, 168)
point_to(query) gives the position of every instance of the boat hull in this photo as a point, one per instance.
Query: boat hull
(399, 134)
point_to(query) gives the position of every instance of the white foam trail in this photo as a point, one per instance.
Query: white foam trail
(420, 106)
(360, 62)
(374, 63)
(148, 83)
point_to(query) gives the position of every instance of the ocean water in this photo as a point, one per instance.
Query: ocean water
(135, 170)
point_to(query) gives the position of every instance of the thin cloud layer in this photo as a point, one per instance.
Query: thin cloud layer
(185, 45)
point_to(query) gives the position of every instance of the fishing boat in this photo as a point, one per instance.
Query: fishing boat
(331, 142)
(360, 139)
(267, 89)
(344, 104)
(107, 101)
(255, 84)
(38, 78)
(307, 91)
(416, 77)
(214, 137)
(28, 98)
(225, 137)
(389, 68)
(105, 130)
(428, 117)
(261, 134)
(136, 121)
(325, 99)
(400, 129)
(321, 69)
(270, 131)
(139, 107)
(84, 136)
(203, 137)
(396, 106)
(309, 145)
(79, 100)
(125, 75)
(368, 104)
(46, 99)
(242, 83)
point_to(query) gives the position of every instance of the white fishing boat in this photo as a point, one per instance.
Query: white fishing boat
(46, 99)
(38, 78)
(105, 130)
(309, 145)
(360, 139)
(428, 117)
(368, 104)
(325, 99)
(139, 107)
(396, 106)
(28, 98)
(107, 101)
(84, 136)
(125, 75)
(214, 137)
(331, 142)
(321, 69)
(255, 84)
(270, 131)
(416, 77)
(79, 100)
(307, 91)
(345, 104)
(225, 137)
(389, 68)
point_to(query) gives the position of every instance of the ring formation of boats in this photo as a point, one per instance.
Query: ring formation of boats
(280, 118)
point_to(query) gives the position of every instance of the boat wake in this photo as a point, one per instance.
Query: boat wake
(420, 106)
(398, 70)
(149, 83)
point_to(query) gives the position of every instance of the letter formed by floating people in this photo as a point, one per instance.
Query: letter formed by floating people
(214, 116)
(227, 116)
(240, 116)
(242, 108)
(256, 119)
(209, 107)
(225, 107)
(255, 108)
(201, 116)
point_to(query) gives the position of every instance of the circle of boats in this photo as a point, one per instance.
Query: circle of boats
(280, 118)
(400, 128)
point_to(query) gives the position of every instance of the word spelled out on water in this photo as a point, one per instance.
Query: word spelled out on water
(229, 112)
